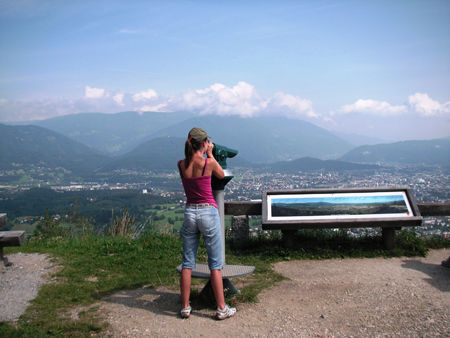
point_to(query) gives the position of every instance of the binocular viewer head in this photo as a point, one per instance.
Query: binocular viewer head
(221, 153)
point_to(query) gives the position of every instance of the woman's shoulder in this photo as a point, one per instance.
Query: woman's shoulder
(198, 160)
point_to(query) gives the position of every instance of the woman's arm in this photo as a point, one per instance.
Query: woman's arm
(215, 166)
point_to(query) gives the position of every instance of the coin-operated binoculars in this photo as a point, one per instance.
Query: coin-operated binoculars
(221, 153)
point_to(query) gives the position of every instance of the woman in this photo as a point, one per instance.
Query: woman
(201, 217)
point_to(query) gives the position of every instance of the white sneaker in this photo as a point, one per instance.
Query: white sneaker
(225, 313)
(185, 312)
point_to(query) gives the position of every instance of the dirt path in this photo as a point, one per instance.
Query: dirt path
(20, 282)
(350, 297)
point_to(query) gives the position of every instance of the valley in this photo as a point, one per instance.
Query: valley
(102, 164)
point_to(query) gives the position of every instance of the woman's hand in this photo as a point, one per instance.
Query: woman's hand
(209, 149)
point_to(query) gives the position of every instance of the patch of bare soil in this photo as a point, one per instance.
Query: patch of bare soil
(20, 282)
(339, 297)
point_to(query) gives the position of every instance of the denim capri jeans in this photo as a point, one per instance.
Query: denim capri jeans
(204, 221)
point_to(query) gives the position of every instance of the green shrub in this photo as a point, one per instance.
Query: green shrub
(408, 243)
(50, 227)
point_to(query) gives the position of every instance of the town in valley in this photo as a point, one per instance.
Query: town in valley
(428, 184)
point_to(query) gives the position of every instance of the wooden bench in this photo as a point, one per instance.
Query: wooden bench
(241, 210)
(10, 238)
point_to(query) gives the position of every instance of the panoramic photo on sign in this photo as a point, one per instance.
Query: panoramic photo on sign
(318, 206)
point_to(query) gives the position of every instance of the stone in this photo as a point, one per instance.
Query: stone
(239, 231)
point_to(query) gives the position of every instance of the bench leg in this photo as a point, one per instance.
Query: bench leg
(288, 238)
(4, 259)
(388, 235)
(229, 290)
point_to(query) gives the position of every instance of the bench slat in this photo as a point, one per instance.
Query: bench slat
(12, 238)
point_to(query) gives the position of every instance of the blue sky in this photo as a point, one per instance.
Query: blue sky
(374, 68)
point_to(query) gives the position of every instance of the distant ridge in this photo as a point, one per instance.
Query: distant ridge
(157, 154)
(113, 134)
(359, 140)
(164, 152)
(435, 151)
(264, 139)
(36, 146)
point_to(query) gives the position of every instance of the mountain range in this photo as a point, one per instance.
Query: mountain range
(112, 134)
(160, 153)
(258, 139)
(435, 151)
(87, 142)
(25, 146)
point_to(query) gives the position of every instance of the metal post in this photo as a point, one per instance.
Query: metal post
(228, 287)
(219, 197)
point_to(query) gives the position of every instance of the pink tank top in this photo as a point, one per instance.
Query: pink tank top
(198, 189)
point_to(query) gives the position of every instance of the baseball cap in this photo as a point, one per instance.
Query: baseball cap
(198, 134)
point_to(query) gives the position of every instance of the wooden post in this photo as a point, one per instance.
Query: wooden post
(3, 221)
(288, 238)
(240, 231)
(388, 235)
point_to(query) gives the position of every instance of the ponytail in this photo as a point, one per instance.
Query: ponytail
(190, 147)
(188, 152)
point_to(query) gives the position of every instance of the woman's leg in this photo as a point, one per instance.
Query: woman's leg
(212, 234)
(217, 285)
(191, 236)
(185, 287)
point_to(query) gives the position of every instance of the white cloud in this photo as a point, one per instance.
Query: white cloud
(373, 107)
(296, 107)
(26, 110)
(94, 93)
(118, 98)
(147, 95)
(426, 106)
(241, 99)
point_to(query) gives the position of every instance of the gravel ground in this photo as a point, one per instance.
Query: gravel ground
(341, 297)
(350, 297)
(20, 283)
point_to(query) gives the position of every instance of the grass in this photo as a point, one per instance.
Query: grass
(95, 266)
(115, 263)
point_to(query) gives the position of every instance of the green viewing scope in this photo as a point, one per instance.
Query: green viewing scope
(221, 153)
